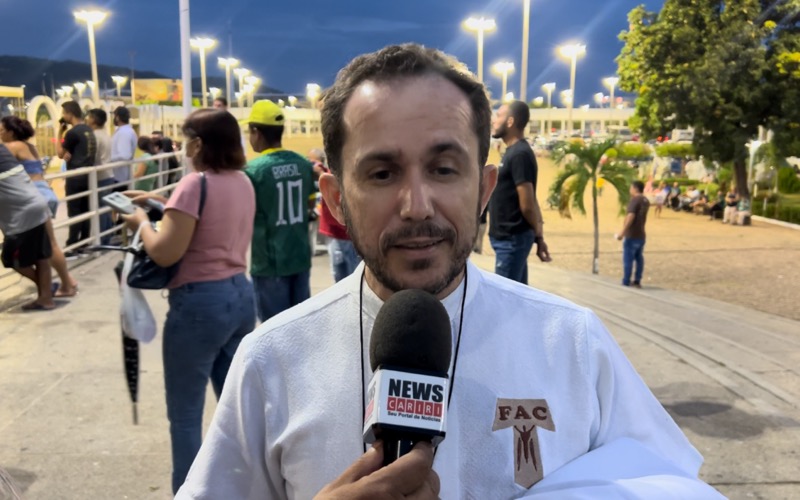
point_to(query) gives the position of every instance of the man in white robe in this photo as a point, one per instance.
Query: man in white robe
(544, 402)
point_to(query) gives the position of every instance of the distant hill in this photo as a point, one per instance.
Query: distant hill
(38, 74)
(41, 75)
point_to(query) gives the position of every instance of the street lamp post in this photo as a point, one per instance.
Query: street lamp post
(203, 44)
(549, 88)
(241, 73)
(119, 81)
(214, 92)
(503, 68)
(312, 94)
(253, 82)
(228, 62)
(480, 25)
(92, 18)
(611, 82)
(79, 86)
(571, 52)
(526, 27)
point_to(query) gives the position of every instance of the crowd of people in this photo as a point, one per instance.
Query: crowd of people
(729, 206)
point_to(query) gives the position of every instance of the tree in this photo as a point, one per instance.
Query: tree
(699, 63)
(783, 73)
(585, 165)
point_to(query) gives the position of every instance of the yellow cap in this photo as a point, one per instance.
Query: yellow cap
(265, 112)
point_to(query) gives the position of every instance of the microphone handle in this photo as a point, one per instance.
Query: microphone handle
(395, 447)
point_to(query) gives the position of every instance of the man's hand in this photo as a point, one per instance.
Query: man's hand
(409, 477)
(67, 157)
(541, 250)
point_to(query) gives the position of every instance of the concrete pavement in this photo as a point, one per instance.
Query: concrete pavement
(728, 375)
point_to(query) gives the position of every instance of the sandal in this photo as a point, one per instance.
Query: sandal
(35, 306)
(58, 293)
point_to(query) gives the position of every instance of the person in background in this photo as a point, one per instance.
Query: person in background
(146, 166)
(96, 119)
(731, 203)
(210, 299)
(15, 134)
(478, 247)
(634, 234)
(515, 218)
(23, 220)
(167, 146)
(123, 144)
(661, 197)
(221, 103)
(343, 255)
(78, 149)
(284, 185)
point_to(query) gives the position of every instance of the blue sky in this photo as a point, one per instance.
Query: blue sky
(291, 43)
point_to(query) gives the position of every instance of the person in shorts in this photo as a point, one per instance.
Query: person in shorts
(23, 221)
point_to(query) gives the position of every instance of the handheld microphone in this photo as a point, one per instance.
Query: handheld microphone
(409, 353)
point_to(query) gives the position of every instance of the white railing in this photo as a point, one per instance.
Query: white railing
(9, 278)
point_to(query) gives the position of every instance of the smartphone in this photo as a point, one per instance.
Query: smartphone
(119, 202)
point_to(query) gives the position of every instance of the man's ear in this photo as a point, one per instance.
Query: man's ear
(332, 194)
(489, 173)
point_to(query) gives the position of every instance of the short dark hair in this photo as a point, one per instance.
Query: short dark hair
(223, 100)
(145, 144)
(521, 114)
(123, 114)
(72, 108)
(638, 186)
(98, 115)
(273, 134)
(392, 63)
(221, 136)
(21, 129)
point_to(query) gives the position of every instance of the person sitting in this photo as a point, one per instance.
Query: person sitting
(687, 199)
(742, 212)
(731, 202)
(673, 197)
(715, 211)
(700, 205)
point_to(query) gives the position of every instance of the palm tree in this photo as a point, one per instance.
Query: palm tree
(584, 165)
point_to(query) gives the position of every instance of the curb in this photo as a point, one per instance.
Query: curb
(787, 225)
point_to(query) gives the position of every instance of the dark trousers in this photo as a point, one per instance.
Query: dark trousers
(632, 253)
(79, 230)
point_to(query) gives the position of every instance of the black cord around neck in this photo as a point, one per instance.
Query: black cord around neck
(361, 341)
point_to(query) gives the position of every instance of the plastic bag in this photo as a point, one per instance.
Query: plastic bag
(138, 321)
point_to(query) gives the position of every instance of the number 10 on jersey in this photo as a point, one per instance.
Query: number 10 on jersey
(290, 200)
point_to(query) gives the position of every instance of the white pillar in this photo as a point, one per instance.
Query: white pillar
(186, 57)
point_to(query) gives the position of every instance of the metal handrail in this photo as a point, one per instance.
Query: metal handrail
(9, 278)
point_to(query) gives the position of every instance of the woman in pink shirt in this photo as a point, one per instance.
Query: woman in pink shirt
(211, 304)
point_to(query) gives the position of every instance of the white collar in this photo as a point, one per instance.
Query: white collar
(373, 303)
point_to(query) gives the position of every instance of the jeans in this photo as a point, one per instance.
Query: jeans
(344, 258)
(275, 295)
(511, 255)
(632, 251)
(78, 231)
(106, 222)
(205, 323)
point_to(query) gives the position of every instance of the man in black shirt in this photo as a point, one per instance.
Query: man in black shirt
(515, 219)
(633, 232)
(78, 149)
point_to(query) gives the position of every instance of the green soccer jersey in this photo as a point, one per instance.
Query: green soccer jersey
(283, 183)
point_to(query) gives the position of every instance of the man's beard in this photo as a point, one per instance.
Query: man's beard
(378, 265)
(500, 132)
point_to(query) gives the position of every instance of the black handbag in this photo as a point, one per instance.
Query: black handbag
(148, 275)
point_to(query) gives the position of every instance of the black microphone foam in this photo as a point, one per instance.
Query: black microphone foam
(412, 332)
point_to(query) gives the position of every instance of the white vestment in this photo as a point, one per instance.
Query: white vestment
(290, 417)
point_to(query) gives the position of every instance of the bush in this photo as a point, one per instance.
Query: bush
(675, 150)
(711, 190)
(788, 181)
(633, 151)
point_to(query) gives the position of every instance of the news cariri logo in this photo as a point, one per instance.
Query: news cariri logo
(406, 400)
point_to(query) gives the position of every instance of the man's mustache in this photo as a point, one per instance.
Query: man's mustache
(418, 230)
